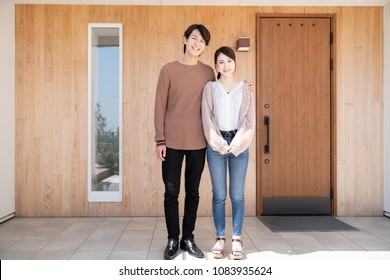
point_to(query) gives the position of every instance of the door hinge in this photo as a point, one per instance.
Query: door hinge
(331, 38)
(331, 64)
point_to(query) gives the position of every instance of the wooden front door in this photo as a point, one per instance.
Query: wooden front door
(294, 115)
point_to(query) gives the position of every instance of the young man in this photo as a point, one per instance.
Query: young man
(179, 135)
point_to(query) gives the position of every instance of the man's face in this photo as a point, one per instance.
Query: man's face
(195, 44)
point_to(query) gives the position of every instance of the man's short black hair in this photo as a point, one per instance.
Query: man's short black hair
(202, 30)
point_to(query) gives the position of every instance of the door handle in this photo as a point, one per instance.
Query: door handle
(267, 122)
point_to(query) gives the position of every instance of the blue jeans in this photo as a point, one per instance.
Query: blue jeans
(218, 165)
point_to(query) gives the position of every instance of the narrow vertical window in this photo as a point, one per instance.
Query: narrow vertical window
(105, 112)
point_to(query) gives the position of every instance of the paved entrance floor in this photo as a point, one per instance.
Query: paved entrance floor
(144, 238)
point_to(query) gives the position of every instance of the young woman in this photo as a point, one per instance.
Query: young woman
(228, 116)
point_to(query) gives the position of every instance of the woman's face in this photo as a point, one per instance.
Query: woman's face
(195, 44)
(225, 65)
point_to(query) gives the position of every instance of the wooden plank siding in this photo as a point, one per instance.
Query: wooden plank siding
(52, 95)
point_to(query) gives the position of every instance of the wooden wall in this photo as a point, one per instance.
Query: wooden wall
(52, 90)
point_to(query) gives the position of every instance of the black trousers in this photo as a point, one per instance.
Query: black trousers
(171, 171)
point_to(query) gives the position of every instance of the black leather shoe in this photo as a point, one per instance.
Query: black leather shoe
(190, 246)
(171, 249)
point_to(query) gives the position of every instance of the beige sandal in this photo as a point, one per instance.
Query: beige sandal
(237, 251)
(217, 250)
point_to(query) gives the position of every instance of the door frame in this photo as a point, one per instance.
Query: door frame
(333, 107)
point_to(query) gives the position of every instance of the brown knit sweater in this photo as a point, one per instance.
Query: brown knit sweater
(177, 111)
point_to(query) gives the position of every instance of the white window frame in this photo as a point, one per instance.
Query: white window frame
(103, 196)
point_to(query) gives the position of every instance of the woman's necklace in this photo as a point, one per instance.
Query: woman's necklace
(229, 85)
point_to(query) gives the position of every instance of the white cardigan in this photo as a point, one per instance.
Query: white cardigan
(246, 122)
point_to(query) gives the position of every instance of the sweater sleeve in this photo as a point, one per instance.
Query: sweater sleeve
(246, 128)
(212, 134)
(160, 107)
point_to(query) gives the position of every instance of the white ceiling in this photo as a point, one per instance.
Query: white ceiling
(216, 2)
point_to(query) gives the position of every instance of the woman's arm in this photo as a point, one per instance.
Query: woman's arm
(211, 132)
(246, 127)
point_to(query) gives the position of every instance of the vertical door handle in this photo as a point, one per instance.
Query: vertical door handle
(267, 122)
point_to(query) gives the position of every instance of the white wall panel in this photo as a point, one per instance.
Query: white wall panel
(7, 109)
(386, 96)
